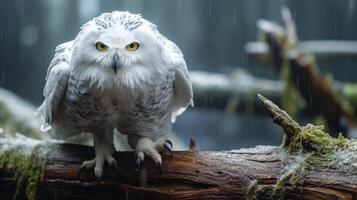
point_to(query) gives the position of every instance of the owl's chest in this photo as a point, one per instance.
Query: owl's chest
(120, 107)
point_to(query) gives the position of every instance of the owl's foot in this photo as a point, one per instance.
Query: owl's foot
(152, 149)
(97, 163)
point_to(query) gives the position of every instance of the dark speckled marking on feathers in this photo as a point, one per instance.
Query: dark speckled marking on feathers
(84, 109)
(151, 110)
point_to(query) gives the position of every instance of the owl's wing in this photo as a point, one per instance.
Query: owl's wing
(183, 93)
(56, 83)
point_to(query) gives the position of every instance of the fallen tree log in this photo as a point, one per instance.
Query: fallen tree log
(309, 165)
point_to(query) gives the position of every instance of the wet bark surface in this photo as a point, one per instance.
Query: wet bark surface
(237, 174)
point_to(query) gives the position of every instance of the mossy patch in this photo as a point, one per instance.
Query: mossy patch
(26, 157)
(313, 139)
(253, 190)
(256, 191)
(311, 147)
(305, 147)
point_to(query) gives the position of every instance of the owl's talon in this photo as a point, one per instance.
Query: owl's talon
(112, 162)
(80, 171)
(98, 172)
(146, 147)
(139, 164)
(99, 179)
(169, 141)
(139, 160)
(158, 165)
(115, 165)
(168, 148)
(86, 166)
(97, 163)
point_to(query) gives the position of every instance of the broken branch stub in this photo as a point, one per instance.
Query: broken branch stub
(308, 138)
(280, 117)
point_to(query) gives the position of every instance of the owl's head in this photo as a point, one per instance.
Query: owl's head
(119, 46)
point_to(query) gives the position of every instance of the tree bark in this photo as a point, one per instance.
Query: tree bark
(239, 174)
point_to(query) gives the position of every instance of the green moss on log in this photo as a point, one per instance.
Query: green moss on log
(314, 139)
(312, 147)
(26, 158)
(306, 147)
(255, 191)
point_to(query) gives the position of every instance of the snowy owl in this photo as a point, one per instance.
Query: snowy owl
(119, 72)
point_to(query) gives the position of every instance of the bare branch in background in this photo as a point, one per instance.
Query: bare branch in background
(260, 51)
(302, 73)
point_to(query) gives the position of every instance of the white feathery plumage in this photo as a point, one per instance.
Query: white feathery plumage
(119, 72)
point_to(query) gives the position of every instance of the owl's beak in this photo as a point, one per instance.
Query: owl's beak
(115, 63)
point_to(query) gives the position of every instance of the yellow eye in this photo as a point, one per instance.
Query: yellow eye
(132, 46)
(100, 46)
